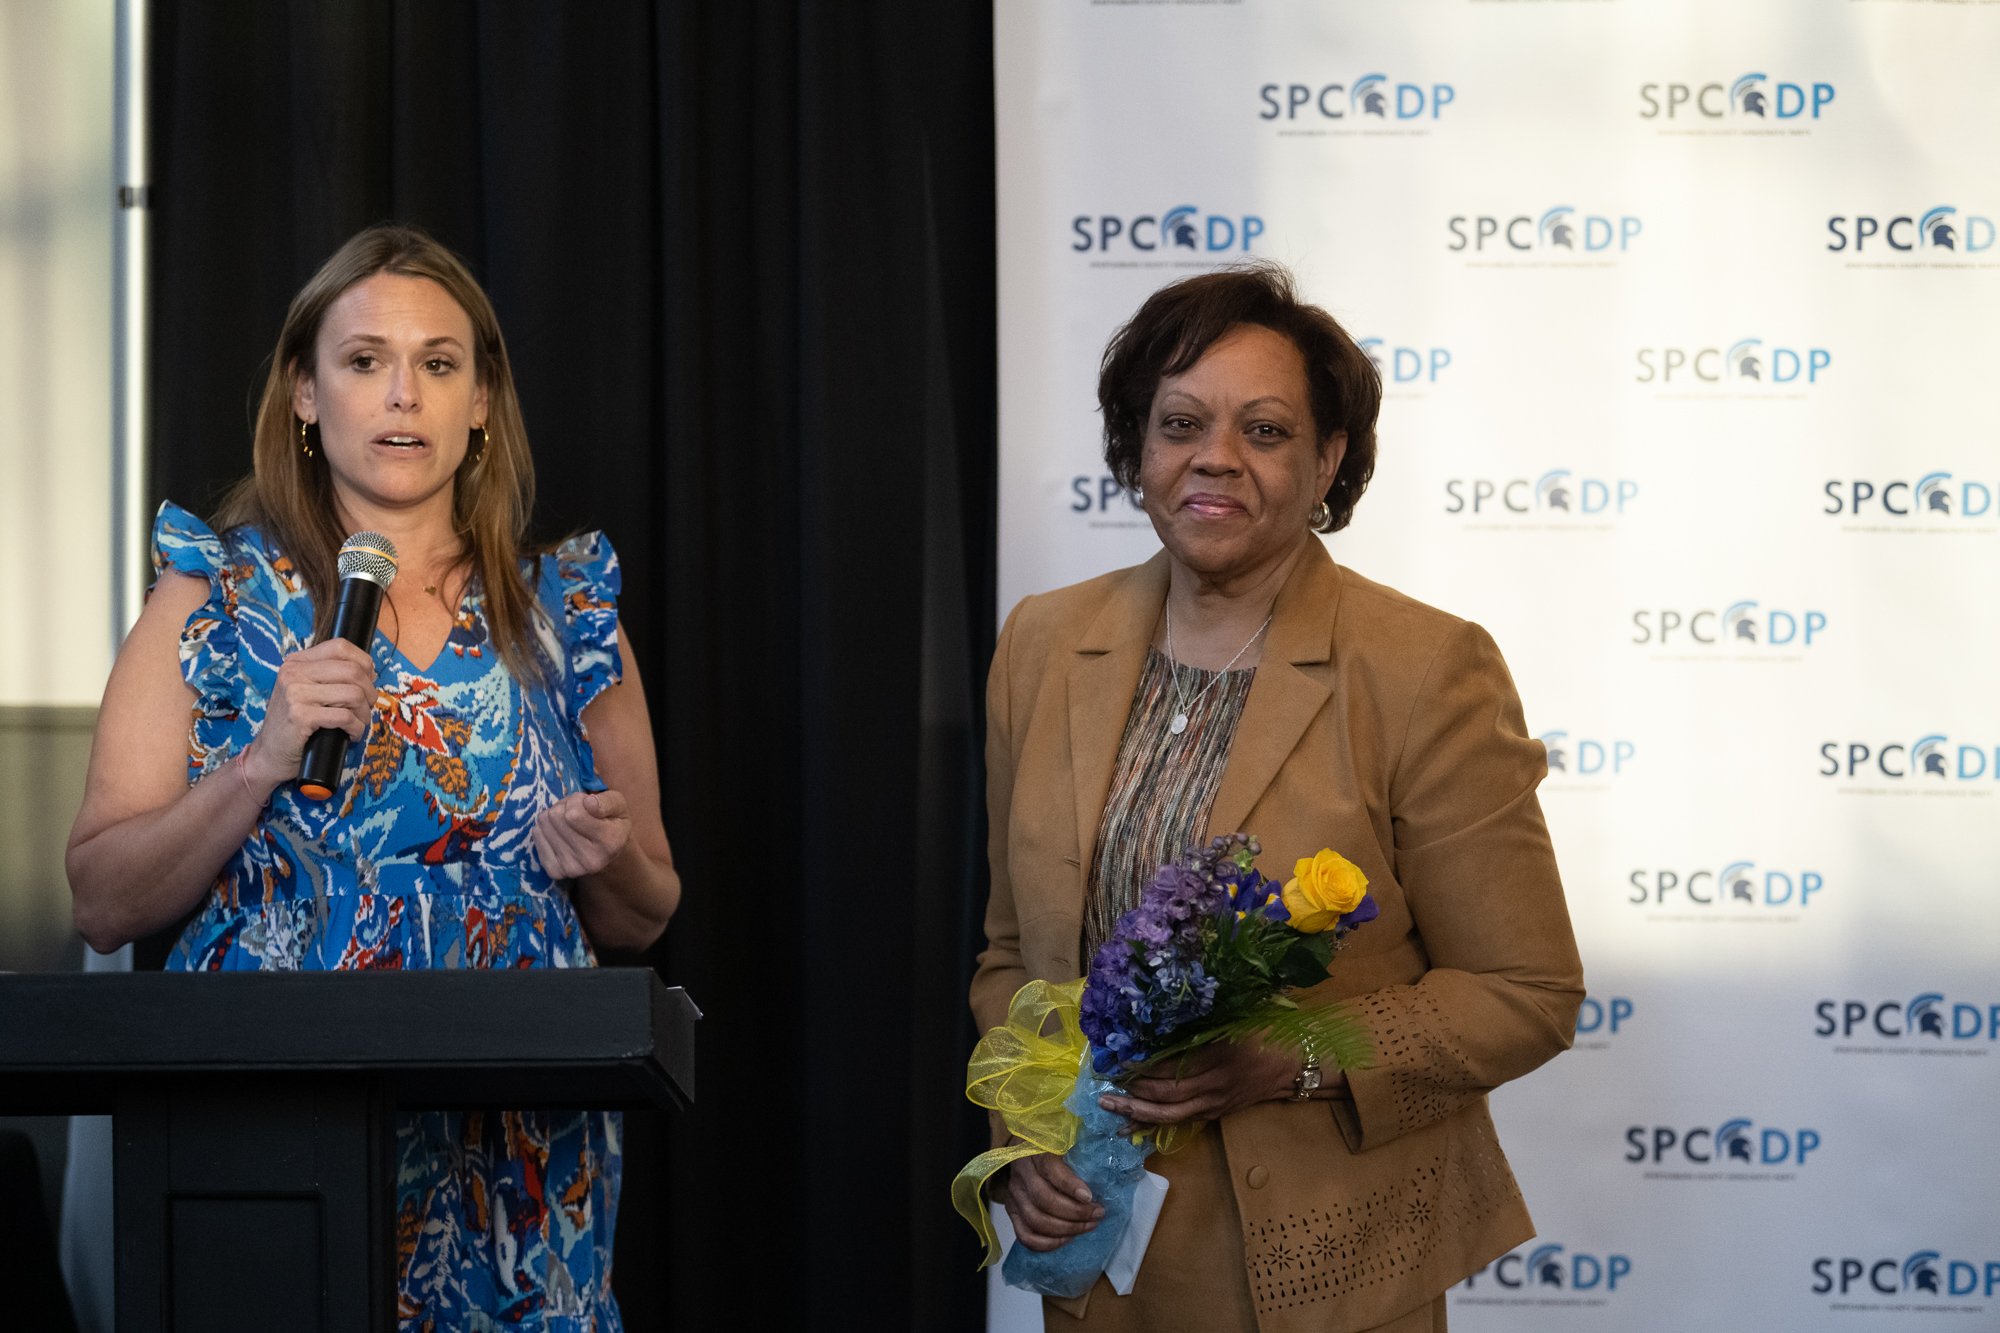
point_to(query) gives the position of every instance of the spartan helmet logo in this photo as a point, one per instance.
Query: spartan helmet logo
(1937, 229)
(1179, 229)
(1739, 622)
(1928, 756)
(1556, 743)
(1920, 1272)
(1555, 229)
(1545, 1266)
(1924, 1015)
(1368, 98)
(1736, 881)
(1746, 359)
(1932, 497)
(1746, 96)
(1733, 1139)
(1552, 490)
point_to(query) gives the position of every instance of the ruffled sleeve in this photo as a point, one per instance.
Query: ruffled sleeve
(210, 642)
(586, 584)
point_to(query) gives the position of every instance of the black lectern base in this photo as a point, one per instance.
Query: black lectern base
(259, 1215)
(254, 1113)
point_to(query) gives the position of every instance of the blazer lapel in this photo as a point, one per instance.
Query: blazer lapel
(1294, 680)
(1103, 673)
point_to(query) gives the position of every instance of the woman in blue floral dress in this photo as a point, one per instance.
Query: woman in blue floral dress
(499, 806)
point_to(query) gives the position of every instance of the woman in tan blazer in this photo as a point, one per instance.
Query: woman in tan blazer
(1241, 680)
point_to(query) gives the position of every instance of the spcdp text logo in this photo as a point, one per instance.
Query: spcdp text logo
(1561, 228)
(1371, 95)
(1927, 1015)
(1741, 624)
(1932, 757)
(1742, 363)
(1935, 496)
(1556, 493)
(1733, 1142)
(1585, 757)
(1549, 1266)
(1739, 884)
(1604, 1016)
(1181, 229)
(1940, 228)
(1405, 365)
(1749, 95)
(1922, 1273)
(1101, 493)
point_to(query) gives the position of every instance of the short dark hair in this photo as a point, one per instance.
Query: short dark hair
(1182, 320)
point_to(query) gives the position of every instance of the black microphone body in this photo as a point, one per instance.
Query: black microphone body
(361, 591)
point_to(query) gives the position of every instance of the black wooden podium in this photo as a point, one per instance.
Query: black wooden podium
(254, 1112)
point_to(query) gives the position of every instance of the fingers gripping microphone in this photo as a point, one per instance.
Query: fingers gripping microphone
(367, 568)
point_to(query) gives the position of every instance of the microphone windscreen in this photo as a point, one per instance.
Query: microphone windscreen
(368, 555)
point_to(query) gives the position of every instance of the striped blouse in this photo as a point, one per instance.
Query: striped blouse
(1164, 785)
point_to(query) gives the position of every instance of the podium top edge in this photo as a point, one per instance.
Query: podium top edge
(99, 1027)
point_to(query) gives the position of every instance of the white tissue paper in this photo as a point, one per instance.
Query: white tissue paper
(1123, 1269)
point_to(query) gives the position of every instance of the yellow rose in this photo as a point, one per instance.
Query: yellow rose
(1322, 890)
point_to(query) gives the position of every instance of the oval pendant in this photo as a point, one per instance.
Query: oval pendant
(1179, 724)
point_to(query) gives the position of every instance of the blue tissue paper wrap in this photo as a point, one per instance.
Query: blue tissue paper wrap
(1106, 1160)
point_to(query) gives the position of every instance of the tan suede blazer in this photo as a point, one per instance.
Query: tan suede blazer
(1391, 732)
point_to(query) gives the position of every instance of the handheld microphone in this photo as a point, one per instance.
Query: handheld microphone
(367, 568)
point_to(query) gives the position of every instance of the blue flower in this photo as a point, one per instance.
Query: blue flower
(1366, 910)
(1148, 981)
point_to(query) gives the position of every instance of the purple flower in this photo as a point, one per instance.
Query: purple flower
(1151, 932)
(1148, 981)
(1209, 941)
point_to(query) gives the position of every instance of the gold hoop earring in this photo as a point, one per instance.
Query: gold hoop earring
(479, 450)
(1320, 517)
(305, 445)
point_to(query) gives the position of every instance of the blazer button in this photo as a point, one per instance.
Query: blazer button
(1257, 1177)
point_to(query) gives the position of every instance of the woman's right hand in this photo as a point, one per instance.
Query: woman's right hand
(329, 686)
(147, 846)
(1047, 1202)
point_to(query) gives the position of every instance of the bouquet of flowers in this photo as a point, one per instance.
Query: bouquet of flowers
(1208, 954)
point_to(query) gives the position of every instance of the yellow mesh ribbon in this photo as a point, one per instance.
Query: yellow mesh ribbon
(1026, 1077)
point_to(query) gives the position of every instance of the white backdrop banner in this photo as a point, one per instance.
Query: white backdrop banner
(1683, 313)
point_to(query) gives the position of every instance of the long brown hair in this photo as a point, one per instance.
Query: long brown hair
(290, 495)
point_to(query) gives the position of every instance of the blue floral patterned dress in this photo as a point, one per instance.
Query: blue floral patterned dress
(423, 858)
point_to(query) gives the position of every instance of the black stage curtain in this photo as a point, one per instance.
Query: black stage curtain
(743, 255)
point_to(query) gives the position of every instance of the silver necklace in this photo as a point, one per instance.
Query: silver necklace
(1183, 705)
